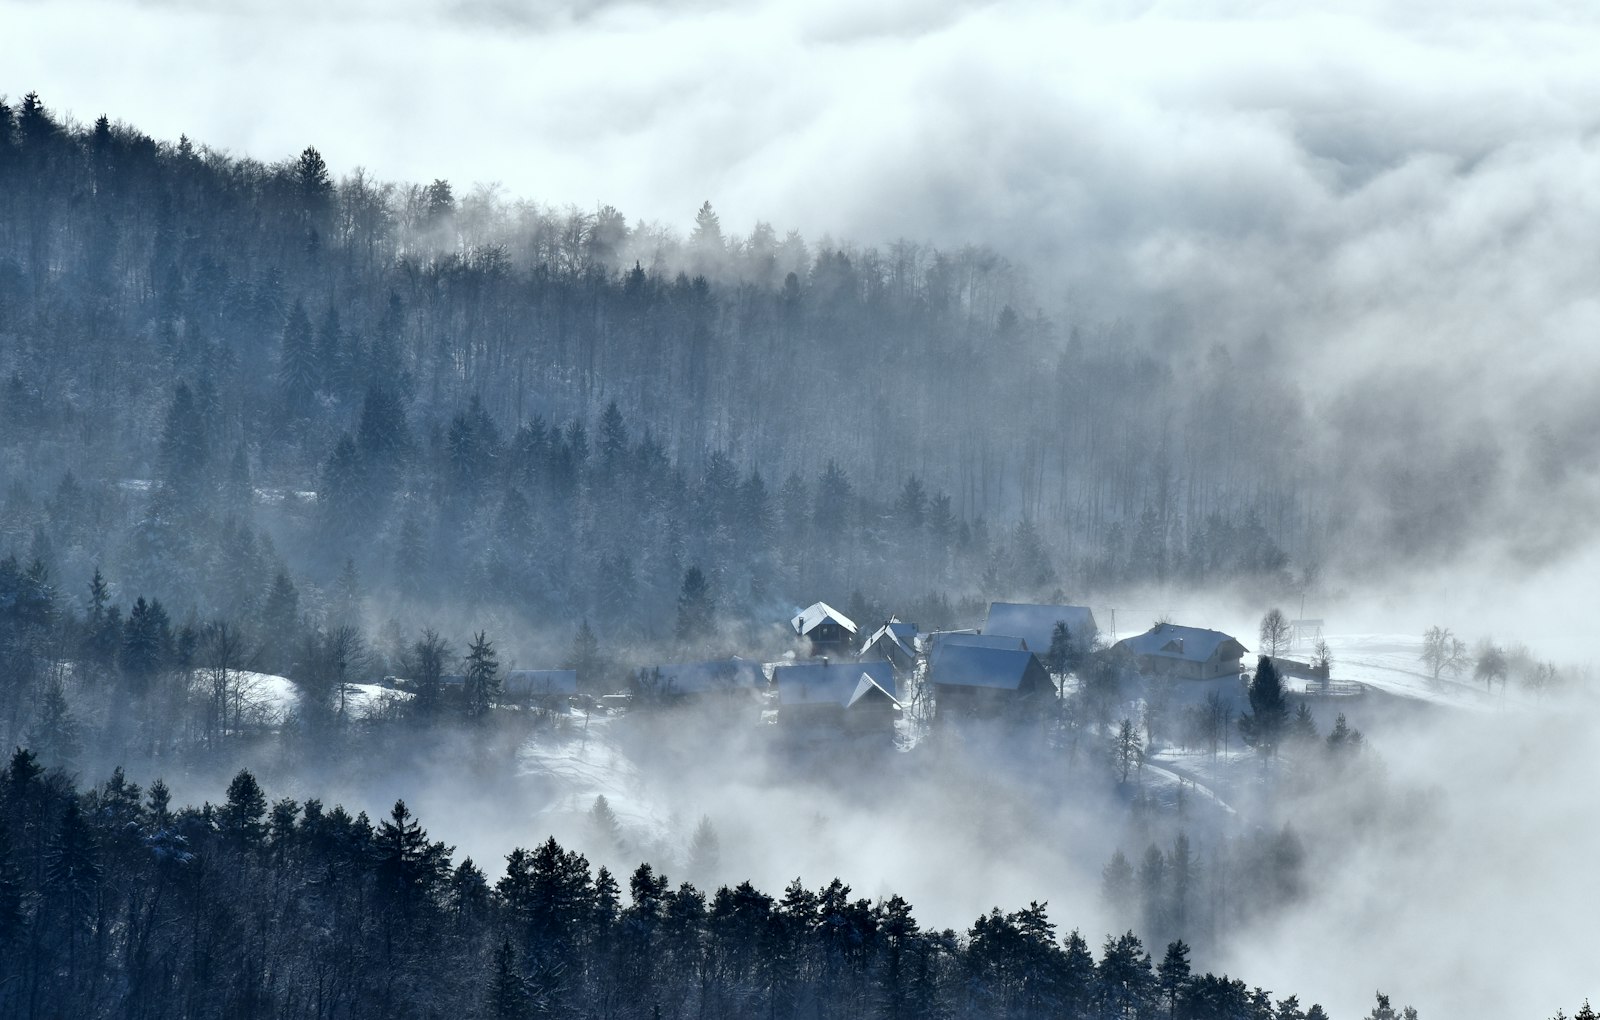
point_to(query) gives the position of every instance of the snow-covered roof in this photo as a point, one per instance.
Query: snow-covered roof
(809, 618)
(711, 675)
(539, 682)
(976, 666)
(981, 640)
(1036, 623)
(832, 683)
(1170, 641)
(901, 636)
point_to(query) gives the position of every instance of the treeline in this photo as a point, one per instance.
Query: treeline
(115, 902)
(214, 369)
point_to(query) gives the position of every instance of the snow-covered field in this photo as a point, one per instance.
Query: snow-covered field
(1392, 663)
(278, 696)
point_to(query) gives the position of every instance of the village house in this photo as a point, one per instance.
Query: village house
(851, 699)
(1036, 624)
(895, 642)
(825, 630)
(972, 681)
(1186, 653)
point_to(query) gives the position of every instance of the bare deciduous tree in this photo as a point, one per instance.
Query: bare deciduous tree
(1274, 632)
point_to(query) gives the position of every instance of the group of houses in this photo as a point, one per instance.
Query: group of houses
(841, 682)
(999, 671)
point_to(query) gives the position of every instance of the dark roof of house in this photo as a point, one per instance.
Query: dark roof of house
(729, 674)
(539, 682)
(1170, 641)
(977, 666)
(832, 683)
(1037, 623)
(812, 616)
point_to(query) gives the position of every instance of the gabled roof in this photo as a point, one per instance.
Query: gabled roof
(1170, 641)
(832, 683)
(1037, 623)
(901, 636)
(976, 666)
(539, 682)
(809, 618)
(731, 674)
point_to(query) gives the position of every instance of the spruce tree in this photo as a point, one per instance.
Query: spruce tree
(482, 687)
(1263, 726)
(241, 819)
(696, 607)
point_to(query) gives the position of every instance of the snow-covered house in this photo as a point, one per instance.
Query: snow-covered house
(549, 688)
(974, 681)
(1189, 653)
(854, 698)
(828, 631)
(894, 642)
(1036, 623)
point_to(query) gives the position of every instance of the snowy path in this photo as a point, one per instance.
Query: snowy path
(1392, 663)
(1191, 783)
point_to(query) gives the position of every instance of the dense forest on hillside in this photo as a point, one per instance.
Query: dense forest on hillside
(214, 371)
(116, 902)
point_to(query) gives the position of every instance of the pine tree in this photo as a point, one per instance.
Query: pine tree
(696, 607)
(482, 679)
(1172, 975)
(56, 733)
(705, 853)
(1263, 726)
(585, 659)
(1116, 886)
(427, 658)
(408, 867)
(508, 993)
(241, 819)
(605, 831)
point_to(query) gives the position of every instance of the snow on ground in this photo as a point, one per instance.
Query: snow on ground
(1392, 663)
(586, 762)
(279, 697)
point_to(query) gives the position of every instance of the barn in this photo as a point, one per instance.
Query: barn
(972, 681)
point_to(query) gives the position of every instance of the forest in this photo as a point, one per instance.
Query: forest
(116, 902)
(218, 371)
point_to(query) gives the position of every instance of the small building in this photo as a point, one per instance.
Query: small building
(850, 698)
(732, 679)
(825, 629)
(1187, 653)
(1036, 623)
(972, 681)
(895, 642)
(547, 688)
